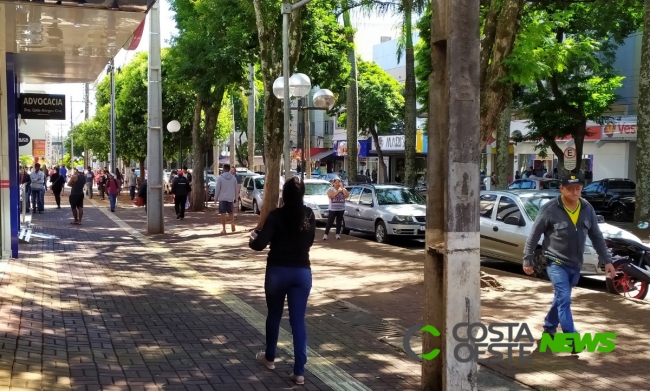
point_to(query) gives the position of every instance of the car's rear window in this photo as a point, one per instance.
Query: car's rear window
(621, 185)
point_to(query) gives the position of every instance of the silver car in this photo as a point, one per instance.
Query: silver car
(316, 198)
(251, 193)
(387, 211)
(506, 218)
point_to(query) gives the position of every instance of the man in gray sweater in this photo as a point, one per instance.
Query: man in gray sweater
(226, 193)
(565, 223)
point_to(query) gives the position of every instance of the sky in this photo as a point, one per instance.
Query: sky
(370, 29)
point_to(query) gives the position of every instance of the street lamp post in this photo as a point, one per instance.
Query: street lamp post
(173, 127)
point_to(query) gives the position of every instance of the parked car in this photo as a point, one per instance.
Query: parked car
(387, 211)
(331, 176)
(316, 198)
(535, 184)
(612, 197)
(506, 218)
(251, 194)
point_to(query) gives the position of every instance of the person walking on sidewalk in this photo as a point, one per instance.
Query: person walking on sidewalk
(565, 223)
(90, 176)
(290, 230)
(132, 182)
(113, 189)
(27, 182)
(225, 193)
(180, 189)
(233, 172)
(142, 193)
(37, 182)
(77, 183)
(337, 195)
(57, 186)
(101, 184)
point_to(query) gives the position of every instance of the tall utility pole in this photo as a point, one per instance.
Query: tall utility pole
(251, 118)
(71, 137)
(113, 158)
(233, 149)
(452, 260)
(86, 115)
(155, 221)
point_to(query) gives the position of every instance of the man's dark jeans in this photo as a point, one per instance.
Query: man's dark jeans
(37, 200)
(132, 191)
(179, 205)
(294, 283)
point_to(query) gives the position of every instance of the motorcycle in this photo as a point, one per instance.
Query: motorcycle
(632, 262)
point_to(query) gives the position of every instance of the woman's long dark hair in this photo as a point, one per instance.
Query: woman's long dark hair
(293, 211)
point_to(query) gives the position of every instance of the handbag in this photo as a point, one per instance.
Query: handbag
(138, 201)
(187, 203)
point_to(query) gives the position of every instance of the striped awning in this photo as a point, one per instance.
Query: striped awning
(322, 155)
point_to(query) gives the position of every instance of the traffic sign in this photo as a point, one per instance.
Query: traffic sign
(570, 160)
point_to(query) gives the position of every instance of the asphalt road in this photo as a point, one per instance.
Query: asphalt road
(596, 283)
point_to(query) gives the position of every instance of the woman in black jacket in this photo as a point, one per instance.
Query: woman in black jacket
(57, 182)
(290, 230)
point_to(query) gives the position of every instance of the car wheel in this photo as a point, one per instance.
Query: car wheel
(539, 265)
(619, 213)
(240, 206)
(256, 210)
(344, 230)
(381, 234)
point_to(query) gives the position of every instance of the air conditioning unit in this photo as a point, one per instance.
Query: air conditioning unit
(385, 39)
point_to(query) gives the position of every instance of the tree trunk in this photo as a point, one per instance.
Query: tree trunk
(269, 32)
(642, 210)
(352, 105)
(503, 147)
(196, 199)
(382, 175)
(250, 137)
(494, 91)
(410, 109)
(215, 156)
(142, 172)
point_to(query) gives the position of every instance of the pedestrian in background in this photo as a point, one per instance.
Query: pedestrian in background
(113, 189)
(90, 176)
(180, 189)
(131, 181)
(142, 193)
(27, 182)
(58, 182)
(37, 183)
(101, 184)
(290, 230)
(225, 193)
(337, 195)
(76, 183)
(565, 223)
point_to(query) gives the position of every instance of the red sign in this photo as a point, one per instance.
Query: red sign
(570, 153)
(619, 129)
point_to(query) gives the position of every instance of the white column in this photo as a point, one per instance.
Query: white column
(5, 204)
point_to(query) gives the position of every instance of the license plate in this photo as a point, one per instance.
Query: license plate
(423, 227)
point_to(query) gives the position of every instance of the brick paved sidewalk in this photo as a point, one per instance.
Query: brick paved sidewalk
(386, 282)
(96, 309)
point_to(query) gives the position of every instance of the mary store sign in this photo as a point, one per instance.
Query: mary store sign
(390, 143)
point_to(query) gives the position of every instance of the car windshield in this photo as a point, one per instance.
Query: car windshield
(398, 196)
(316, 188)
(533, 203)
(551, 185)
(259, 183)
(211, 178)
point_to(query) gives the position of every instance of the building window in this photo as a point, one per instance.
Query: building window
(329, 127)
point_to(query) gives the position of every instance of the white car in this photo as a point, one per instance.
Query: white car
(506, 218)
(316, 198)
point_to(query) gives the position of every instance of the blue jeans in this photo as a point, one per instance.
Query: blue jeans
(563, 279)
(295, 284)
(112, 198)
(132, 191)
(28, 199)
(37, 199)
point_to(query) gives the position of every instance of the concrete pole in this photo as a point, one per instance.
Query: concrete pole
(113, 161)
(155, 220)
(452, 260)
(251, 118)
(233, 147)
(307, 146)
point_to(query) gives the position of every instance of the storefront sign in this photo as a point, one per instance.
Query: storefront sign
(619, 130)
(23, 139)
(42, 106)
(390, 143)
(38, 148)
(341, 148)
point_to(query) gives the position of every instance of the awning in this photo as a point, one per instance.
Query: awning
(322, 155)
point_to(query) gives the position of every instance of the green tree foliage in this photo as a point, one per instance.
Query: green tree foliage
(423, 66)
(565, 54)
(381, 104)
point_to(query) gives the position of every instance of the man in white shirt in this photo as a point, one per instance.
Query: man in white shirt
(38, 182)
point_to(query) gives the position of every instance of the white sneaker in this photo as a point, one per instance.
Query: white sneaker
(324, 237)
(338, 236)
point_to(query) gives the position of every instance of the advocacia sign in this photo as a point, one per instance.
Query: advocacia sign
(42, 106)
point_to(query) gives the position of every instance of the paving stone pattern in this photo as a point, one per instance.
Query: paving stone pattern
(95, 310)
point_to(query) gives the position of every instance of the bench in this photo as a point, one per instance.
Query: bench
(25, 235)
